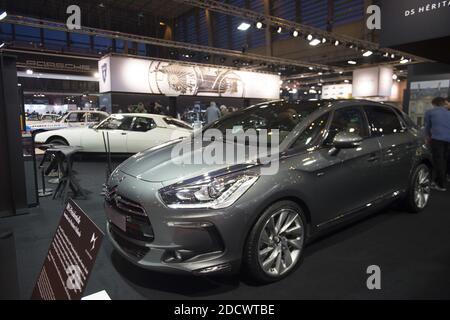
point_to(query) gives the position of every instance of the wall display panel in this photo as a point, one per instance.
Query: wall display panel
(421, 95)
(338, 91)
(133, 75)
(372, 82)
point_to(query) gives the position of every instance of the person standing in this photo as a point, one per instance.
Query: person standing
(212, 113)
(437, 130)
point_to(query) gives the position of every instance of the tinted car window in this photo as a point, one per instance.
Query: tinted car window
(312, 132)
(116, 123)
(349, 119)
(280, 116)
(382, 121)
(95, 117)
(143, 124)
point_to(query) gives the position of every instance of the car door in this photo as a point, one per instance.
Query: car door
(115, 129)
(355, 181)
(398, 146)
(144, 134)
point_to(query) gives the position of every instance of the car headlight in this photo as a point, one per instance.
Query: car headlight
(214, 193)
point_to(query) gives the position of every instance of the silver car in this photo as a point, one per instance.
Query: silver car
(337, 161)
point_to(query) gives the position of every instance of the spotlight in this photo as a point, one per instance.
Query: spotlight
(314, 42)
(395, 77)
(29, 72)
(2, 45)
(259, 25)
(244, 26)
(309, 37)
(279, 29)
(311, 68)
(347, 81)
(295, 33)
(336, 43)
(352, 62)
(368, 53)
(207, 57)
(3, 15)
(393, 56)
(96, 75)
(404, 60)
(324, 40)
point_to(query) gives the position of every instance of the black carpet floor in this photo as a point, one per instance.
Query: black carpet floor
(413, 252)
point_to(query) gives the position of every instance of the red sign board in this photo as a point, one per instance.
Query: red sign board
(70, 258)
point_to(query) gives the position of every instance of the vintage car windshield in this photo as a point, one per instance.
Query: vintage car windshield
(282, 116)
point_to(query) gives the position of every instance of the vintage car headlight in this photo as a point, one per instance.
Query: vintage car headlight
(214, 193)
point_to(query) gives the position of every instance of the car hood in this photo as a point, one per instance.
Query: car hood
(172, 163)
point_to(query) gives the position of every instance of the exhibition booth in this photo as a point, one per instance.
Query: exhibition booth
(178, 179)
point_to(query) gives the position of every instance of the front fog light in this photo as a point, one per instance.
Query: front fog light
(214, 193)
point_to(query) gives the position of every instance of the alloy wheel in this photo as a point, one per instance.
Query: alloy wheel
(281, 242)
(422, 190)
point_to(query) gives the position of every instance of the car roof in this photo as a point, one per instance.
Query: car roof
(83, 111)
(145, 115)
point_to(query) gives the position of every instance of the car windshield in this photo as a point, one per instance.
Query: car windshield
(282, 116)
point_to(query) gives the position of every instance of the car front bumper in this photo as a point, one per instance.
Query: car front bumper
(148, 234)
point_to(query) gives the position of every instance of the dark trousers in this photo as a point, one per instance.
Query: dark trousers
(441, 151)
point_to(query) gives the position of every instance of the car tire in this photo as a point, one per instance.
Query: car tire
(58, 141)
(274, 249)
(419, 191)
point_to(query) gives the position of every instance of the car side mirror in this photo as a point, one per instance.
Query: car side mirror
(345, 140)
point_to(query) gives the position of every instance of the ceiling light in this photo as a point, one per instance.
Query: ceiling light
(398, 80)
(352, 62)
(395, 77)
(368, 53)
(162, 23)
(3, 15)
(341, 72)
(347, 81)
(324, 40)
(96, 75)
(259, 25)
(29, 71)
(311, 68)
(309, 37)
(244, 26)
(295, 34)
(320, 73)
(404, 60)
(393, 56)
(2, 45)
(314, 42)
(336, 43)
(279, 30)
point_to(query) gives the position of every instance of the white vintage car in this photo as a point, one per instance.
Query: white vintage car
(79, 118)
(128, 133)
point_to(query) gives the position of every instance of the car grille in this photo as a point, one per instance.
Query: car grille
(138, 223)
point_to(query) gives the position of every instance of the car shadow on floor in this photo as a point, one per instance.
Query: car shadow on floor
(192, 286)
(186, 285)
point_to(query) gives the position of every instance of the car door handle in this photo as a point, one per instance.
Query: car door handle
(124, 133)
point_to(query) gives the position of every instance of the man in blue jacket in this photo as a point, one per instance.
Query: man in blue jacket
(437, 129)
